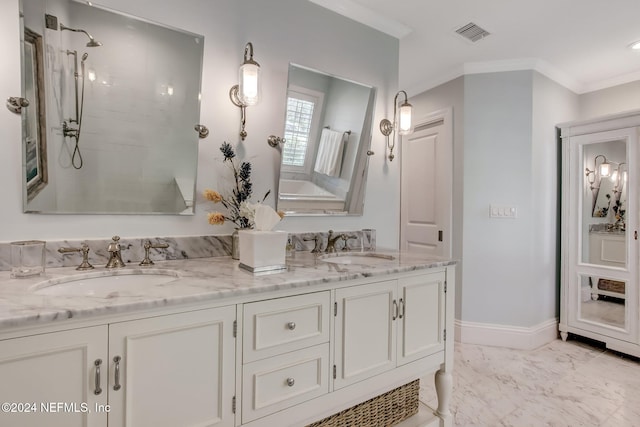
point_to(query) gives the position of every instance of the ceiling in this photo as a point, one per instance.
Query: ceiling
(582, 44)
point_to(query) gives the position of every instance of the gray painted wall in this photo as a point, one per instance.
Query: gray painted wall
(610, 101)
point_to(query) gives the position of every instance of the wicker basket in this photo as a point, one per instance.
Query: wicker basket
(382, 411)
(611, 285)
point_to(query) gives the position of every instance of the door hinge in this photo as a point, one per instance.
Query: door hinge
(335, 309)
(635, 235)
(235, 328)
(233, 405)
(445, 286)
(439, 235)
(444, 334)
(335, 372)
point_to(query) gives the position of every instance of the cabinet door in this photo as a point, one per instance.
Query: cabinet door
(421, 316)
(50, 379)
(176, 370)
(365, 332)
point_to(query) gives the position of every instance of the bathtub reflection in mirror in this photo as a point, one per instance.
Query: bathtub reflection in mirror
(327, 129)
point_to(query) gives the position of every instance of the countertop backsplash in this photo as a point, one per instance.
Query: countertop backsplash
(185, 247)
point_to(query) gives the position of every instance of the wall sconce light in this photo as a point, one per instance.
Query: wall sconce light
(247, 91)
(401, 122)
(604, 170)
(619, 177)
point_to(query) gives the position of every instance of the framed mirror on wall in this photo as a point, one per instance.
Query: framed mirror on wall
(327, 129)
(120, 100)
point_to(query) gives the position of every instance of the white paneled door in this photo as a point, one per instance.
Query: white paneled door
(426, 190)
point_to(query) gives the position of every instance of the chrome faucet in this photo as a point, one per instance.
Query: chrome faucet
(115, 257)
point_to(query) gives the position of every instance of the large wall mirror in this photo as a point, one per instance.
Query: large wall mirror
(120, 99)
(327, 130)
(604, 239)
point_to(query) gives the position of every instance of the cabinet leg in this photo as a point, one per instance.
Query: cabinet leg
(444, 388)
(564, 335)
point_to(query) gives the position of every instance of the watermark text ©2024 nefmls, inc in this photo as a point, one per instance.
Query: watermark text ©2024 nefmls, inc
(53, 407)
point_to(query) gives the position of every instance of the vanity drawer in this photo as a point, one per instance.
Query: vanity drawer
(274, 384)
(285, 324)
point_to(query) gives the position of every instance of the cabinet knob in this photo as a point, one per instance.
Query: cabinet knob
(291, 326)
(290, 382)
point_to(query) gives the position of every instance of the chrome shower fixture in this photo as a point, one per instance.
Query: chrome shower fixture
(91, 43)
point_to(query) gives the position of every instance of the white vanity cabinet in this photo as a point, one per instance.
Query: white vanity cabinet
(599, 240)
(166, 371)
(38, 372)
(387, 324)
(278, 357)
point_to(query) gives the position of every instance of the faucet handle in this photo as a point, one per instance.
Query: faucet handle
(345, 238)
(317, 246)
(84, 248)
(147, 248)
(114, 245)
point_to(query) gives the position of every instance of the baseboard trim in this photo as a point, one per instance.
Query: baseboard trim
(518, 337)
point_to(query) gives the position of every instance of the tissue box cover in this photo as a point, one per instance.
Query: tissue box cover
(262, 250)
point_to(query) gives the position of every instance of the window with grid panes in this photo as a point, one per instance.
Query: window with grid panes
(297, 131)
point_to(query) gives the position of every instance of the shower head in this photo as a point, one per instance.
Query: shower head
(91, 43)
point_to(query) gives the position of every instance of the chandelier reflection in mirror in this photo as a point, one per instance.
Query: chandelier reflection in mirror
(616, 172)
(401, 122)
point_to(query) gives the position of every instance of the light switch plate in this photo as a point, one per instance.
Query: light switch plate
(503, 211)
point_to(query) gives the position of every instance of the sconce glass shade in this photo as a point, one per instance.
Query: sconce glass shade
(249, 83)
(605, 169)
(404, 122)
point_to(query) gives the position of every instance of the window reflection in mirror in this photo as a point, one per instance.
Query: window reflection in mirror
(327, 130)
(122, 96)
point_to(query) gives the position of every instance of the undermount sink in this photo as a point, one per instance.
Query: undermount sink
(357, 258)
(104, 284)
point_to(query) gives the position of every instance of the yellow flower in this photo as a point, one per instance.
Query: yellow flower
(213, 196)
(281, 214)
(215, 218)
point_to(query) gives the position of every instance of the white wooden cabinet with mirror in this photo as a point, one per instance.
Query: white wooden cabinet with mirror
(599, 278)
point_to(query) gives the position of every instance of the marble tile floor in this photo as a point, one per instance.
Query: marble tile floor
(573, 383)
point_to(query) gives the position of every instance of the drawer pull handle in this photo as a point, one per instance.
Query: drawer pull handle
(290, 382)
(291, 326)
(401, 315)
(97, 364)
(395, 310)
(116, 375)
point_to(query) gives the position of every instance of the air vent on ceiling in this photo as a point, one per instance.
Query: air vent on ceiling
(472, 32)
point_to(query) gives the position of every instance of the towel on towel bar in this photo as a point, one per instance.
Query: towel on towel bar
(329, 158)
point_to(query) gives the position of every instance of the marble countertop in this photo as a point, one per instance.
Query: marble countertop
(27, 302)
